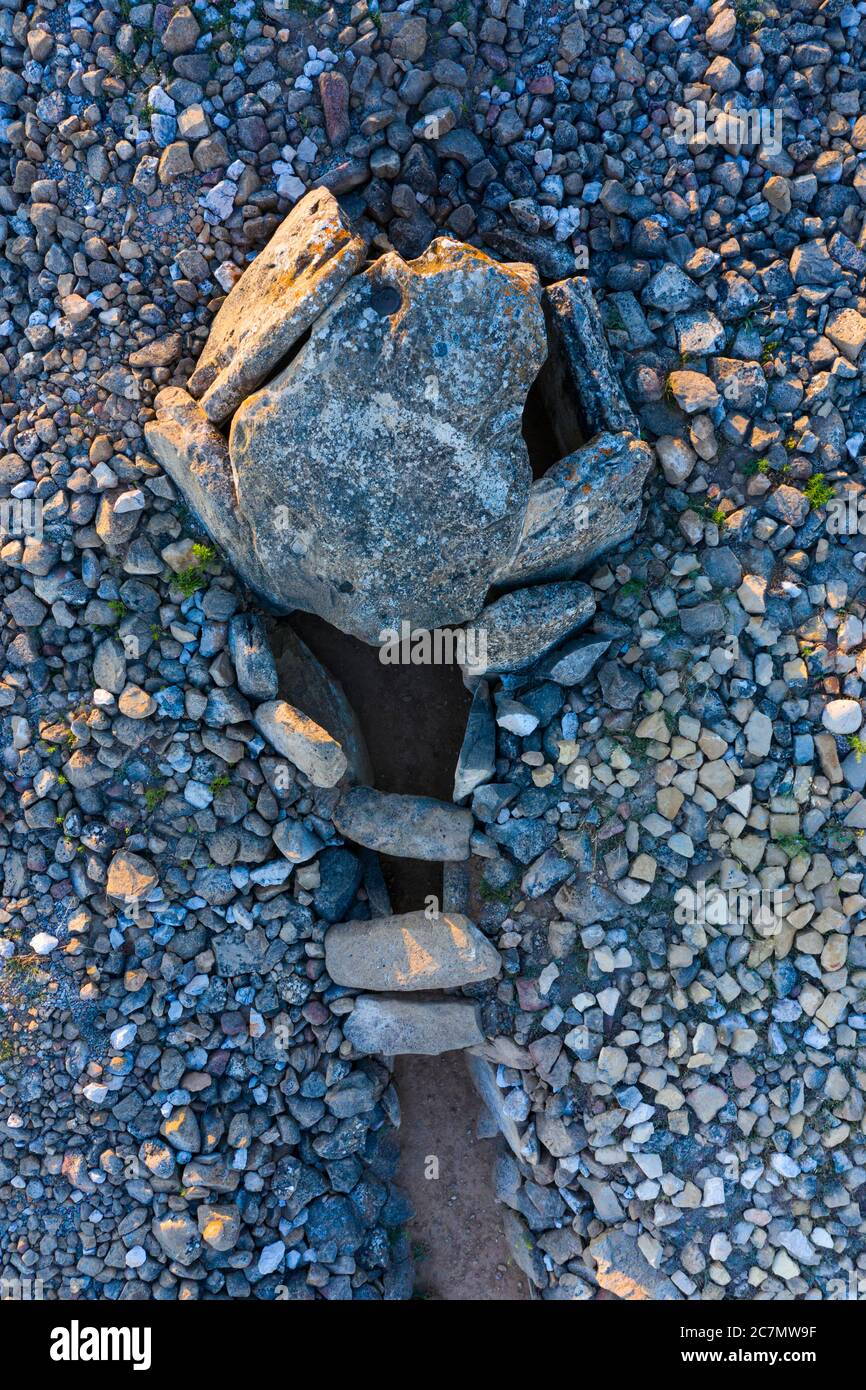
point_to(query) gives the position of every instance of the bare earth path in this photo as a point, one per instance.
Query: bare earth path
(460, 1249)
(413, 718)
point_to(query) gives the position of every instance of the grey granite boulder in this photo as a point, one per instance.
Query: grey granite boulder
(409, 952)
(412, 827)
(370, 463)
(383, 473)
(394, 1026)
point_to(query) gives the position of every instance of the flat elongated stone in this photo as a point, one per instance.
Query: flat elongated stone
(297, 275)
(194, 454)
(383, 473)
(483, 1075)
(581, 381)
(477, 761)
(396, 1027)
(583, 506)
(553, 258)
(304, 742)
(411, 827)
(409, 952)
(310, 686)
(252, 657)
(521, 626)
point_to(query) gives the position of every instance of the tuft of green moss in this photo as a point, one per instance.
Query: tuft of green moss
(857, 746)
(818, 491)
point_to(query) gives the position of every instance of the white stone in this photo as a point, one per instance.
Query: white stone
(43, 943)
(842, 716)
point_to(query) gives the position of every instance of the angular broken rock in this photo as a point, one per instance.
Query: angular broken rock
(622, 1269)
(574, 661)
(586, 903)
(178, 1236)
(410, 827)
(581, 507)
(399, 501)
(476, 763)
(483, 1074)
(130, 876)
(306, 744)
(409, 951)
(308, 685)
(398, 1027)
(524, 1248)
(297, 275)
(252, 657)
(521, 626)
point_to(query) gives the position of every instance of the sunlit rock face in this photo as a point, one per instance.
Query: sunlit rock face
(383, 472)
(351, 436)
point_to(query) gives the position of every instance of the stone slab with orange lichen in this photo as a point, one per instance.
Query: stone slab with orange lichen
(288, 285)
(410, 952)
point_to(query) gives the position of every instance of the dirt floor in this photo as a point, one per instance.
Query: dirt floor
(457, 1238)
(413, 719)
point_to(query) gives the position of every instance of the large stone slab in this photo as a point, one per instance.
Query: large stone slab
(410, 827)
(583, 506)
(297, 275)
(304, 742)
(195, 455)
(383, 474)
(409, 952)
(376, 472)
(308, 685)
(396, 1027)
